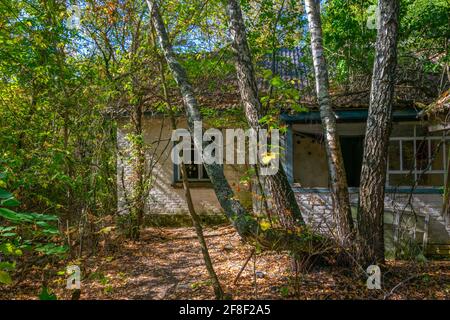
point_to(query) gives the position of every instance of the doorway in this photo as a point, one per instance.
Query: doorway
(352, 152)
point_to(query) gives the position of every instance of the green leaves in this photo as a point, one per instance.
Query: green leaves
(5, 278)
(349, 43)
(22, 217)
(8, 266)
(5, 194)
(276, 82)
(9, 215)
(51, 249)
(46, 294)
(7, 231)
(11, 202)
(25, 231)
(9, 249)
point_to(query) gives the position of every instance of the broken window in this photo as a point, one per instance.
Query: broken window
(195, 172)
(416, 158)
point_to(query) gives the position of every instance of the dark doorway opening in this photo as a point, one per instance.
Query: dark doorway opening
(352, 152)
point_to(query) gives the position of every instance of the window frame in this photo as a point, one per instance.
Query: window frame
(176, 175)
(415, 171)
(201, 167)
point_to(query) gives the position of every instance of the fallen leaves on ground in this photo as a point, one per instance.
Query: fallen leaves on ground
(167, 264)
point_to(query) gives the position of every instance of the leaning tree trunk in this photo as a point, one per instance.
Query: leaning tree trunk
(225, 195)
(338, 179)
(282, 199)
(373, 173)
(196, 221)
(245, 224)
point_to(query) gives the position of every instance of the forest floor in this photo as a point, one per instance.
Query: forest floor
(167, 264)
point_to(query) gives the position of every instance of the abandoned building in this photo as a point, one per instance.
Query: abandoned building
(418, 159)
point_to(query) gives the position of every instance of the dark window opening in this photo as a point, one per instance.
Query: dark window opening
(352, 152)
(195, 172)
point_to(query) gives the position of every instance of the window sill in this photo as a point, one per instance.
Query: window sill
(193, 184)
(418, 190)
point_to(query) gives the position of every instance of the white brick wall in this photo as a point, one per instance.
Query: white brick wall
(164, 198)
(316, 209)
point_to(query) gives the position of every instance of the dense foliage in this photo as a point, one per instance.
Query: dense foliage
(63, 86)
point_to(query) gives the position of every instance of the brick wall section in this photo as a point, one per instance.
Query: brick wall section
(316, 209)
(165, 198)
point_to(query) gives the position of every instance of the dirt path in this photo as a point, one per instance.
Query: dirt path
(167, 264)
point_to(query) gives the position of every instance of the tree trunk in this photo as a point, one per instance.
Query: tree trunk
(245, 224)
(218, 291)
(225, 195)
(283, 200)
(338, 180)
(138, 166)
(373, 173)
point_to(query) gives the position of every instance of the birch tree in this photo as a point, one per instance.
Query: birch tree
(196, 221)
(373, 173)
(225, 195)
(245, 224)
(283, 200)
(338, 179)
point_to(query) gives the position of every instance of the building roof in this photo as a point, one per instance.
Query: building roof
(410, 92)
(439, 108)
(291, 66)
(354, 115)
